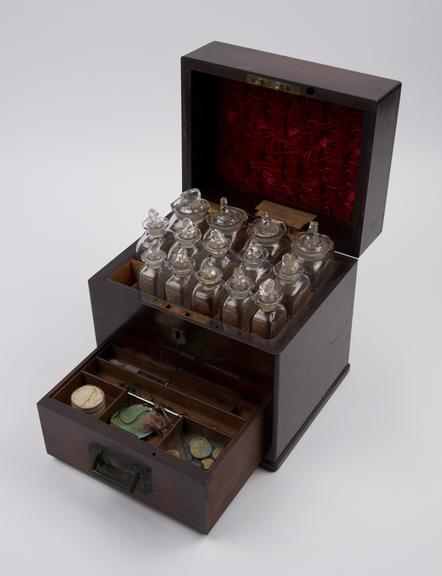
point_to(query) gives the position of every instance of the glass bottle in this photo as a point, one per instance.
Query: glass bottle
(315, 251)
(179, 286)
(230, 221)
(272, 234)
(218, 246)
(292, 282)
(208, 294)
(155, 226)
(238, 306)
(255, 259)
(188, 237)
(189, 205)
(153, 275)
(271, 316)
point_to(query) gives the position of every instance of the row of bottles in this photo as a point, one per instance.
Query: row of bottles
(253, 280)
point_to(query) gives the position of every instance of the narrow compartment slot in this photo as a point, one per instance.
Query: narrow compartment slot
(111, 392)
(195, 443)
(126, 400)
(196, 388)
(177, 401)
(127, 274)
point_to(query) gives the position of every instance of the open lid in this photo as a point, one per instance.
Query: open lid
(258, 126)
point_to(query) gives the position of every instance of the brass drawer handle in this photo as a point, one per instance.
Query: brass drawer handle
(119, 470)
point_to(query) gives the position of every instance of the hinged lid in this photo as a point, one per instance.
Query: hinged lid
(257, 126)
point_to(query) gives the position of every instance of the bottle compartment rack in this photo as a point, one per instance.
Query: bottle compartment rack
(127, 274)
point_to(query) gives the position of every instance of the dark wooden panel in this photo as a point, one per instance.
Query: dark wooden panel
(310, 364)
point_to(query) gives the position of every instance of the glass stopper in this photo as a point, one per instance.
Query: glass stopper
(228, 218)
(289, 268)
(215, 242)
(267, 228)
(268, 296)
(155, 224)
(209, 273)
(188, 232)
(254, 252)
(190, 204)
(311, 244)
(239, 284)
(153, 255)
(181, 264)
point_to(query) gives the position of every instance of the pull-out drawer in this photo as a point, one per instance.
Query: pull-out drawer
(159, 469)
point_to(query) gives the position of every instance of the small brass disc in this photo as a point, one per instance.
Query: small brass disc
(207, 463)
(200, 447)
(174, 453)
(216, 452)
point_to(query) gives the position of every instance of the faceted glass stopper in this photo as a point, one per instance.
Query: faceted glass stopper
(227, 216)
(268, 296)
(254, 252)
(215, 242)
(188, 232)
(155, 224)
(267, 228)
(190, 204)
(209, 273)
(311, 244)
(239, 284)
(182, 264)
(153, 255)
(289, 268)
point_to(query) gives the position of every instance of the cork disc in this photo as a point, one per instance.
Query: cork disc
(87, 398)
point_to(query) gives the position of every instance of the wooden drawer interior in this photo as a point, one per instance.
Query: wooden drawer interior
(231, 420)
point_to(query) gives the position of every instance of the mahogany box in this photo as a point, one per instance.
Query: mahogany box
(311, 141)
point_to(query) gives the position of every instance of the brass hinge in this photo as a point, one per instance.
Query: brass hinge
(273, 84)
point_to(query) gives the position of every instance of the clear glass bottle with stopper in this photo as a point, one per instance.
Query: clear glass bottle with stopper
(218, 246)
(271, 316)
(271, 234)
(238, 306)
(178, 288)
(292, 282)
(189, 205)
(208, 294)
(255, 259)
(153, 275)
(315, 251)
(230, 221)
(155, 226)
(188, 237)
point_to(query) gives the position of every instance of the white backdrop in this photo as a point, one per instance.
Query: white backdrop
(89, 140)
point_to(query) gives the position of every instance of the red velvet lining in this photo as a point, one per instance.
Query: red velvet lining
(293, 149)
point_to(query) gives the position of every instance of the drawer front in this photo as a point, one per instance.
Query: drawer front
(126, 463)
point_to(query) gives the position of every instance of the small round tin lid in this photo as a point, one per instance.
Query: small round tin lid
(267, 230)
(228, 219)
(88, 398)
(191, 205)
(311, 245)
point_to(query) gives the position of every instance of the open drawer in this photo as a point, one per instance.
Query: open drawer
(161, 469)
